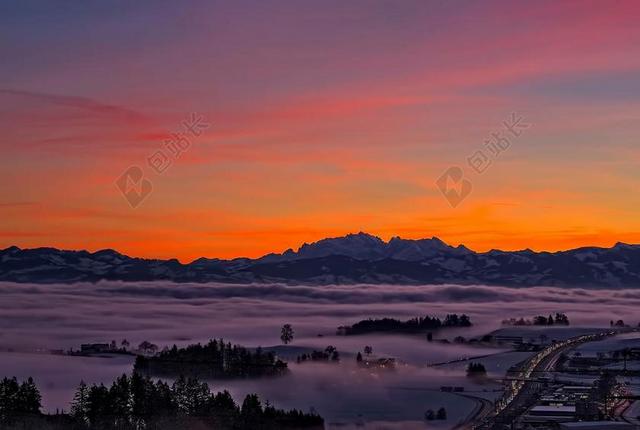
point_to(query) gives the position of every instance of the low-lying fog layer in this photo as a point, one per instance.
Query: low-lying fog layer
(37, 318)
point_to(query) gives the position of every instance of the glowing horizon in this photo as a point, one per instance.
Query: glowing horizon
(323, 121)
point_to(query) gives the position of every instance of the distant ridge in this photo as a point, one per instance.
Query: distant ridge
(352, 259)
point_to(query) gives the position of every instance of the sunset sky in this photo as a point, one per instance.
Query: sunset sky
(326, 117)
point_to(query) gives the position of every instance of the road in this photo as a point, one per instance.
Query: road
(463, 359)
(481, 411)
(520, 391)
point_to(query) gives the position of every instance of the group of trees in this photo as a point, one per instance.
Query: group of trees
(18, 399)
(215, 359)
(620, 323)
(558, 319)
(146, 347)
(453, 320)
(419, 324)
(124, 347)
(430, 415)
(330, 353)
(137, 402)
(476, 370)
(368, 350)
(625, 354)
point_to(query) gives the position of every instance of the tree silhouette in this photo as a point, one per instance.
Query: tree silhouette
(80, 404)
(18, 399)
(475, 370)
(413, 325)
(136, 402)
(286, 334)
(30, 397)
(214, 359)
(147, 347)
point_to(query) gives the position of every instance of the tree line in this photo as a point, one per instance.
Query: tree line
(558, 319)
(330, 354)
(413, 325)
(215, 359)
(18, 399)
(136, 402)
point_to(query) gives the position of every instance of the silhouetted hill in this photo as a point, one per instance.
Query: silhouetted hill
(352, 259)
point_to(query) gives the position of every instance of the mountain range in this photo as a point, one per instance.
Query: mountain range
(352, 259)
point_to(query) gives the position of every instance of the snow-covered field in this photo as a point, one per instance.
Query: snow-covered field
(633, 413)
(35, 318)
(630, 340)
(532, 333)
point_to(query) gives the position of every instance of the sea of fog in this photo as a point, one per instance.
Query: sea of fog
(37, 318)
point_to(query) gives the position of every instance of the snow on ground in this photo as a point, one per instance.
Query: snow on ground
(40, 317)
(631, 365)
(533, 333)
(344, 393)
(633, 413)
(615, 343)
(496, 364)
